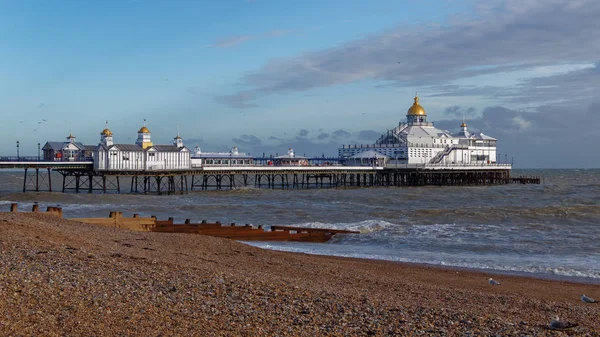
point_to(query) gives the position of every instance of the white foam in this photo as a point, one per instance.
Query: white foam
(366, 226)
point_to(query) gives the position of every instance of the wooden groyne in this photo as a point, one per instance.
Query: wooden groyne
(245, 232)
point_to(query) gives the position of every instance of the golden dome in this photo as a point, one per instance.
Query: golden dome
(177, 137)
(106, 133)
(463, 125)
(416, 109)
(70, 136)
(144, 130)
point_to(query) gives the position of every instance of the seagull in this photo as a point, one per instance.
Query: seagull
(588, 299)
(557, 324)
(494, 282)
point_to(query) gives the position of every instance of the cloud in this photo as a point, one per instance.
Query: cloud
(521, 123)
(458, 112)
(505, 35)
(368, 135)
(239, 100)
(340, 134)
(247, 141)
(323, 136)
(550, 136)
(577, 85)
(302, 133)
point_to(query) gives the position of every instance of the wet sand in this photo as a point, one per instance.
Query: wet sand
(59, 277)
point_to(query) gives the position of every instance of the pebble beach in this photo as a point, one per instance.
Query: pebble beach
(64, 278)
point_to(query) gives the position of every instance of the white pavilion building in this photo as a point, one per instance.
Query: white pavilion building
(417, 141)
(141, 156)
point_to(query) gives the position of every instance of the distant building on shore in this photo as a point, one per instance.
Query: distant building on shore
(417, 141)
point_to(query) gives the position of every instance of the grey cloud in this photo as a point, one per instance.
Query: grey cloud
(340, 134)
(247, 141)
(303, 133)
(551, 136)
(323, 136)
(509, 37)
(458, 112)
(239, 100)
(574, 85)
(368, 135)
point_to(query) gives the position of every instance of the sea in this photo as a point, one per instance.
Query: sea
(551, 230)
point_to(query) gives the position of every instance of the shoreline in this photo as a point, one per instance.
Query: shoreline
(62, 277)
(490, 271)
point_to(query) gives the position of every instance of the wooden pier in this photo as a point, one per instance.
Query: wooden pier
(287, 178)
(82, 178)
(232, 231)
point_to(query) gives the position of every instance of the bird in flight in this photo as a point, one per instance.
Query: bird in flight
(494, 282)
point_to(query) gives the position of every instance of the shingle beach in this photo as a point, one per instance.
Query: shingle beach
(63, 278)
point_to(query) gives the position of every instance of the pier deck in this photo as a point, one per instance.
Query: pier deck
(80, 177)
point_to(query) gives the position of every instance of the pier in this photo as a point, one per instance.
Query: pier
(81, 177)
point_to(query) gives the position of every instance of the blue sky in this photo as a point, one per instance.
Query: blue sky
(267, 75)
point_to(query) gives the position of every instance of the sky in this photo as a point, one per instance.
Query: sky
(312, 75)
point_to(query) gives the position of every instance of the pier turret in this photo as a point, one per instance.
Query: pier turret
(178, 141)
(143, 139)
(71, 138)
(106, 136)
(463, 130)
(416, 113)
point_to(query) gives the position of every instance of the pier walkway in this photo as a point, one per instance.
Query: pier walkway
(80, 176)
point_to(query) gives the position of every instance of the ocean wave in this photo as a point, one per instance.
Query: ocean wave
(366, 226)
(483, 214)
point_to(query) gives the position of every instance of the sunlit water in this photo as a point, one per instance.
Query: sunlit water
(550, 230)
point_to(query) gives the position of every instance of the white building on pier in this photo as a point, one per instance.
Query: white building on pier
(417, 141)
(141, 156)
(231, 158)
